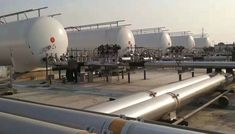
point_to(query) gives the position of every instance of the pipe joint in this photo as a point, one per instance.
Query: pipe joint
(152, 94)
(140, 119)
(229, 77)
(116, 126)
(176, 99)
(122, 116)
(213, 74)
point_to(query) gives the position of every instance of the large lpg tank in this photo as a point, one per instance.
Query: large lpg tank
(187, 41)
(160, 40)
(93, 38)
(25, 43)
(202, 42)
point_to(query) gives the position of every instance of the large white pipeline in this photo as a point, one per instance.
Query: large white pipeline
(96, 123)
(157, 107)
(12, 124)
(112, 106)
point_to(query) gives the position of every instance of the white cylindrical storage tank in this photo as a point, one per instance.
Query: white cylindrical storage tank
(187, 41)
(93, 38)
(25, 43)
(202, 42)
(160, 40)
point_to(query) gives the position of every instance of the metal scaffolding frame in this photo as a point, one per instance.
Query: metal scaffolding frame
(24, 12)
(97, 25)
(149, 30)
(180, 33)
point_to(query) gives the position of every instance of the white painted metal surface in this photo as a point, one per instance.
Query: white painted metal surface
(91, 39)
(112, 106)
(159, 40)
(24, 43)
(158, 106)
(95, 123)
(3, 72)
(12, 124)
(202, 42)
(186, 41)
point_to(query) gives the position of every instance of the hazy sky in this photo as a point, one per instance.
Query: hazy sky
(217, 17)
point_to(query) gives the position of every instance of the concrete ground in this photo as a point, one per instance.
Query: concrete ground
(84, 95)
(215, 118)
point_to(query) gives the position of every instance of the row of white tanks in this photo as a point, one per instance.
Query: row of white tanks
(161, 39)
(25, 43)
(123, 36)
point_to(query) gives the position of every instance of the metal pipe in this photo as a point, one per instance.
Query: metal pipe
(175, 86)
(11, 124)
(194, 64)
(145, 74)
(158, 106)
(200, 108)
(92, 122)
(112, 106)
(122, 74)
(129, 76)
(223, 101)
(209, 70)
(180, 76)
(193, 74)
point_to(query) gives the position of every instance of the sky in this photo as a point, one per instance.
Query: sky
(217, 17)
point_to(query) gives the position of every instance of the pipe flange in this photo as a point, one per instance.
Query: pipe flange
(122, 116)
(175, 97)
(152, 94)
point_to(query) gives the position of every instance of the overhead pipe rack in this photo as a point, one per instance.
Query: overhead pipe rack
(149, 30)
(204, 35)
(53, 15)
(17, 14)
(97, 25)
(193, 64)
(180, 33)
